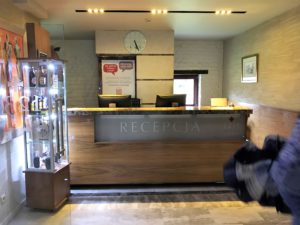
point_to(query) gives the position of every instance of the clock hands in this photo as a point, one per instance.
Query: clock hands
(136, 46)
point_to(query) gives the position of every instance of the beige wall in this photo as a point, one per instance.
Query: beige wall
(278, 44)
(14, 16)
(202, 55)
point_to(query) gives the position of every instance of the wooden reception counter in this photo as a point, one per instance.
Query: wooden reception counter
(153, 145)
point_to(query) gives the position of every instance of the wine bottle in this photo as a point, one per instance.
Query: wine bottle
(43, 77)
(32, 78)
(36, 160)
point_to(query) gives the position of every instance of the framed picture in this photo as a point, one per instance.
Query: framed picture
(249, 69)
(42, 55)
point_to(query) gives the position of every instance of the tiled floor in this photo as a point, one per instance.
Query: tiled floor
(155, 207)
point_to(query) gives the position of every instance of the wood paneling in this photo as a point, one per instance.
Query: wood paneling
(267, 120)
(143, 162)
(38, 40)
(47, 190)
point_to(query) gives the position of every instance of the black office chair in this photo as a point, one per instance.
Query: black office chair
(135, 102)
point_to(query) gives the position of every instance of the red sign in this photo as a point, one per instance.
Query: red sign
(110, 68)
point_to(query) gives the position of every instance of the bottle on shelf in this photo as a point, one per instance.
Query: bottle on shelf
(43, 104)
(36, 160)
(43, 129)
(43, 77)
(34, 105)
(32, 78)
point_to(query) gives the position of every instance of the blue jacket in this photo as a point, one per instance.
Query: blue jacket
(285, 172)
(248, 173)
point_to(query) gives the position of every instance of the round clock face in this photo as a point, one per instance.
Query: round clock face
(135, 42)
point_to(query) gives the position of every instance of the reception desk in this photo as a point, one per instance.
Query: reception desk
(153, 145)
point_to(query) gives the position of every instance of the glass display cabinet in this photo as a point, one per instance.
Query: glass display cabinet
(45, 132)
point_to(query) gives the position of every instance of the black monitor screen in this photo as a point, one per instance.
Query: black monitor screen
(170, 100)
(119, 100)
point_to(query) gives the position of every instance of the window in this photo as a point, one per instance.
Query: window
(187, 84)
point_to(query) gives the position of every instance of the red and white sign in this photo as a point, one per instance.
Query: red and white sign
(118, 77)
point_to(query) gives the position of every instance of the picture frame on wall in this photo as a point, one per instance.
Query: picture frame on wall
(249, 68)
(42, 55)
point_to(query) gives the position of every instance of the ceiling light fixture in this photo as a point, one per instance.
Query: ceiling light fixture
(95, 11)
(160, 11)
(223, 12)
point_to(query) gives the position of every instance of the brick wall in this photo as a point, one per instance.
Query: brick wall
(277, 42)
(81, 71)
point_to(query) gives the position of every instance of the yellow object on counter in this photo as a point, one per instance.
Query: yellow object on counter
(218, 102)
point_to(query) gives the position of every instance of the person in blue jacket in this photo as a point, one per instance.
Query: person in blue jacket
(285, 171)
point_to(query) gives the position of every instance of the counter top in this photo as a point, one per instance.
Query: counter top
(160, 110)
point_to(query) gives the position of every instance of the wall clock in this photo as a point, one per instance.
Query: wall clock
(135, 42)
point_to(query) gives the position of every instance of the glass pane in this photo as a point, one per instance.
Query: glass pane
(44, 111)
(185, 86)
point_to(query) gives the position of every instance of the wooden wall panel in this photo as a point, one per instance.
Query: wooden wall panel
(143, 162)
(38, 40)
(267, 120)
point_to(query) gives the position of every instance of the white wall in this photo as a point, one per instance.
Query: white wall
(12, 184)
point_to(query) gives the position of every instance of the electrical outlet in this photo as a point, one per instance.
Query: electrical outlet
(2, 198)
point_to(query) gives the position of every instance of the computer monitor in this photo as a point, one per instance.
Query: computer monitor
(170, 100)
(119, 100)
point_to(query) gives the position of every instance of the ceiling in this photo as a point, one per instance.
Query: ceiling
(64, 23)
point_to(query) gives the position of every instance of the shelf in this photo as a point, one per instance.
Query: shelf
(45, 87)
(38, 142)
